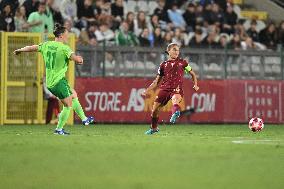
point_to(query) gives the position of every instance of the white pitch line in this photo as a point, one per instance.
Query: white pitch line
(265, 141)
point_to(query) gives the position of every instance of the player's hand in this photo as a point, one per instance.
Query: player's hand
(17, 52)
(195, 87)
(80, 60)
(145, 93)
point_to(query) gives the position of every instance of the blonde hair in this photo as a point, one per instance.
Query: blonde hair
(170, 46)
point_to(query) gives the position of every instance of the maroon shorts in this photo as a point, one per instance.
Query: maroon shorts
(164, 96)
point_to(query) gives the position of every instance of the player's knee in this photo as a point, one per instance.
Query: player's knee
(74, 94)
(176, 99)
(67, 102)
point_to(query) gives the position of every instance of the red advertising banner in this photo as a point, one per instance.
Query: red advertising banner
(218, 101)
(263, 99)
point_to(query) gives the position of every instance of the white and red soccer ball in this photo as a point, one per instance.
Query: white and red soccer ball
(256, 124)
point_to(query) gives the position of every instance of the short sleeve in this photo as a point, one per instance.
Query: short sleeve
(185, 64)
(161, 70)
(67, 51)
(31, 18)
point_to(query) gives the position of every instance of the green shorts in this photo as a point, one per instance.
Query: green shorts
(61, 90)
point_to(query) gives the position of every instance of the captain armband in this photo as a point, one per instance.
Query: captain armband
(187, 69)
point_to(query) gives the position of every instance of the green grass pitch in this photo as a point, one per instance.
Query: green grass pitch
(122, 157)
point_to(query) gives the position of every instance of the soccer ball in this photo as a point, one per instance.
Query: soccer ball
(256, 124)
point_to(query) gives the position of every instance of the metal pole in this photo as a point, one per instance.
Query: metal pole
(104, 58)
(225, 62)
(201, 62)
(281, 61)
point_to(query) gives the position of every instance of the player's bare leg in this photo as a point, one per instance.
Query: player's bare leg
(155, 115)
(79, 110)
(176, 99)
(154, 118)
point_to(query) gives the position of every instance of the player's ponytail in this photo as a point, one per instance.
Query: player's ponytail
(58, 30)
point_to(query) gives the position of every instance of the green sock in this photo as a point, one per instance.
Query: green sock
(78, 109)
(63, 117)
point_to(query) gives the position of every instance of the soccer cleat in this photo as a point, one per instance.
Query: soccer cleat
(152, 131)
(175, 116)
(61, 132)
(89, 120)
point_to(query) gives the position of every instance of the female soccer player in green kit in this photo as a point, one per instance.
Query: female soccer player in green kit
(56, 56)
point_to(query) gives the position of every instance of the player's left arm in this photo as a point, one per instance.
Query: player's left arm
(189, 70)
(33, 48)
(72, 56)
(76, 58)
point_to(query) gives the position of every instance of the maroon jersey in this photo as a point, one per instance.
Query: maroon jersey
(172, 72)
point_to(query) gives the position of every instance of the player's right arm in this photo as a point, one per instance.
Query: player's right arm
(157, 81)
(153, 85)
(33, 48)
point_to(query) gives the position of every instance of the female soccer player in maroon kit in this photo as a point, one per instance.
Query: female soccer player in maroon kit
(170, 82)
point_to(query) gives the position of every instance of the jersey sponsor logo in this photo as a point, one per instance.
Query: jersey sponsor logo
(52, 48)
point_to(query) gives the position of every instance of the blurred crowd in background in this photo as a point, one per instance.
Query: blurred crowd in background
(190, 23)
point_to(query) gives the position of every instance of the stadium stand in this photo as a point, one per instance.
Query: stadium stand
(213, 24)
(207, 14)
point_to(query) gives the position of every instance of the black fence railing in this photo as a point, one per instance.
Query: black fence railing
(279, 2)
(118, 61)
